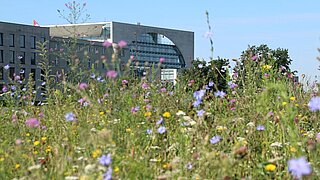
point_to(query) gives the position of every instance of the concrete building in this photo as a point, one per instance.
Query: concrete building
(18, 52)
(18, 48)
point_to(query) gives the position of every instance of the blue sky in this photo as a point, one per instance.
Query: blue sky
(289, 24)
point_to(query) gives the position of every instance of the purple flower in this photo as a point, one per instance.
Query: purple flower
(199, 94)
(161, 60)
(260, 128)
(145, 86)
(314, 104)
(135, 109)
(122, 44)
(163, 90)
(149, 131)
(200, 66)
(112, 74)
(215, 139)
(32, 122)
(254, 58)
(200, 112)
(4, 89)
(232, 85)
(108, 175)
(124, 82)
(211, 84)
(197, 103)
(83, 86)
(105, 159)
(189, 166)
(107, 43)
(70, 117)
(6, 67)
(219, 94)
(299, 167)
(159, 121)
(161, 129)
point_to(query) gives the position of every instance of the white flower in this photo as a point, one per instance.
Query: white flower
(180, 113)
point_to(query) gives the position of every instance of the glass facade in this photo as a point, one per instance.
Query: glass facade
(151, 47)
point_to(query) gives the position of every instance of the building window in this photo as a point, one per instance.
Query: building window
(33, 73)
(11, 40)
(33, 42)
(22, 41)
(56, 61)
(33, 58)
(12, 57)
(21, 57)
(43, 39)
(1, 39)
(1, 73)
(1, 56)
(89, 63)
(11, 72)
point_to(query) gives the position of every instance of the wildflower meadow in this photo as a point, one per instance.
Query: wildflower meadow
(252, 120)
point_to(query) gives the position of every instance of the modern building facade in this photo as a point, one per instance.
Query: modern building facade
(18, 52)
(19, 57)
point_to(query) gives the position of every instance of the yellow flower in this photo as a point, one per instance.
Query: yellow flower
(1, 159)
(292, 98)
(27, 134)
(48, 149)
(221, 128)
(36, 143)
(266, 67)
(101, 113)
(128, 130)
(17, 166)
(284, 103)
(293, 149)
(96, 153)
(166, 114)
(35, 152)
(44, 138)
(116, 169)
(147, 114)
(270, 167)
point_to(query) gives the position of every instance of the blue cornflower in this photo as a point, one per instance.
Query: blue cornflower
(219, 94)
(160, 121)
(260, 128)
(200, 66)
(92, 76)
(70, 116)
(161, 129)
(199, 94)
(105, 159)
(211, 84)
(299, 167)
(215, 139)
(200, 112)
(149, 131)
(314, 104)
(108, 174)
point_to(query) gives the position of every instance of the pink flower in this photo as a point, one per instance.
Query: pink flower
(132, 57)
(32, 122)
(122, 44)
(112, 74)
(106, 43)
(124, 82)
(254, 58)
(161, 60)
(83, 86)
(145, 86)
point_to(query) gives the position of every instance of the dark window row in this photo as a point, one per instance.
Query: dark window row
(21, 57)
(22, 41)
